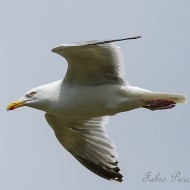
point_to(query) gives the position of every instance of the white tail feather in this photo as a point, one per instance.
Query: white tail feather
(177, 98)
(149, 95)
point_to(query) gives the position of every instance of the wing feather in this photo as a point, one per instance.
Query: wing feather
(87, 141)
(92, 63)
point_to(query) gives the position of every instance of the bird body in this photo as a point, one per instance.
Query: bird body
(63, 100)
(77, 107)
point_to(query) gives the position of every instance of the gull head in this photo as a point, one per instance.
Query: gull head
(39, 98)
(32, 99)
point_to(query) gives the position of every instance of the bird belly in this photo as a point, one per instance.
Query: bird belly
(93, 101)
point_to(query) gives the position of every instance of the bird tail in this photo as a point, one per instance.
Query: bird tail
(159, 101)
(177, 98)
(155, 100)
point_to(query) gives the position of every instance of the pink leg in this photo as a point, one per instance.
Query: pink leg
(159, 104)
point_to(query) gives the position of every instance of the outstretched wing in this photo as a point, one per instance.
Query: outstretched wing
(87, 141)
(93, 63)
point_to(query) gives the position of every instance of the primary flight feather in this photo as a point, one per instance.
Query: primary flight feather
(77, 107)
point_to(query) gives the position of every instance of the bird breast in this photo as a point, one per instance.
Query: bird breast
(79, 101)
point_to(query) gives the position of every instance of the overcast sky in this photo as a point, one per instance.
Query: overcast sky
(158, 142)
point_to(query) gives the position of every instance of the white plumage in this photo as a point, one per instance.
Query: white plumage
(77, 107)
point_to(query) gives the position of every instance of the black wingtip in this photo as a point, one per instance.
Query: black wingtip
(119, 178)
(133, 38)
(111, 172)
(115, 40)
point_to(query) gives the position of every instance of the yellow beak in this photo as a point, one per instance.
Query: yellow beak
(15, 104)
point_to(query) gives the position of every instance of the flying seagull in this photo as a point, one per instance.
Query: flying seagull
(77, 107)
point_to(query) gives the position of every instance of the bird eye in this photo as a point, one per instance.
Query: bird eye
(31, 94)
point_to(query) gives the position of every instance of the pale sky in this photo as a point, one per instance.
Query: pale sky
(31, 158)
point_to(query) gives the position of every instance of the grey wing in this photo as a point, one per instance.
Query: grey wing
(87, 141)
(93, 63)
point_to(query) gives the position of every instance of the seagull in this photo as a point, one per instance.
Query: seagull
(78, 107)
